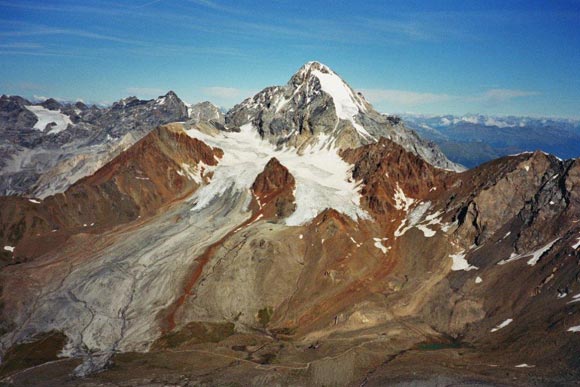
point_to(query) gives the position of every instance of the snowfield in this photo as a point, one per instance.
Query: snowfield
(323, 179)
(46, 117)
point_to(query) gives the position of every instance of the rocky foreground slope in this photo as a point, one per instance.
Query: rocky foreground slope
(243, 260)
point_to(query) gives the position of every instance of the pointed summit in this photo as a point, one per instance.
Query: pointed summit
(307, 70)
(318, 108)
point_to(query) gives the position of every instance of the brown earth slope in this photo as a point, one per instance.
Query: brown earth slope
(466, 277)
(165, 166)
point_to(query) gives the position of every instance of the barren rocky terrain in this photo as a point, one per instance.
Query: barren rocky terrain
(333, 252)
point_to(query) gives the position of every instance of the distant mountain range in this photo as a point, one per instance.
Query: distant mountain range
(474, 139)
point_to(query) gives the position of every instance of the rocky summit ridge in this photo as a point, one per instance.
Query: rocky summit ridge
(317, 105)
(219, 254)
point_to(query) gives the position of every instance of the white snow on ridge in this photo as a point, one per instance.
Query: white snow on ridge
(9, 248)
(321, 175)
(502, 325)
(577, 244)
(574, 329)
(345, 102)
(535, 255)
(46, 117)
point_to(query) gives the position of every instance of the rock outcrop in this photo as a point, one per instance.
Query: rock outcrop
(274, 190)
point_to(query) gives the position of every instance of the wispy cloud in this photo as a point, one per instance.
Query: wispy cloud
(21, 45)
(24, 86)
(218, 7)
(41, 53)
(414, 98)
(224, 92)
(46, 31)
(404, 97)
(66, 7)
(501, 95)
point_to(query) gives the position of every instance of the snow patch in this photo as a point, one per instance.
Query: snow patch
(402, 201)
(430, 220)
(46, 117)
(355, 242)
(460, 263)
(575, 246)
(535, 255)
(34, 201)
(502, 325)
(574, 329)
(412, 219)
(478, 280)
(426, 231)
(524, 365)
(379, 245)
(9, 248)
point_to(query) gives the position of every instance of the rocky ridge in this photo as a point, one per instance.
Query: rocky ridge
(38, 161)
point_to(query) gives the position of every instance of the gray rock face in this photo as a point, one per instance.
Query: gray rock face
(206, 111)
(14, 116)
(43, 161)
(317, 105)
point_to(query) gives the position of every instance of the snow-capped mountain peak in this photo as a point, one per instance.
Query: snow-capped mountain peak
(317, 77)
(318, 106)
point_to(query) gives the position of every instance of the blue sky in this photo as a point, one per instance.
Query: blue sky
(491, 57)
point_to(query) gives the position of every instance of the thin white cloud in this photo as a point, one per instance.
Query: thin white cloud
(404, 97)
(46, 31)
(217, 7)
(21, 45)
(413, 98)
(501, 95)
(223, 92)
